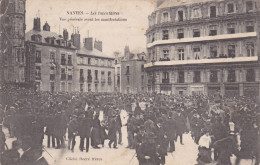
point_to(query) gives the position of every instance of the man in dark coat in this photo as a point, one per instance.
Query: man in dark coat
(161, 141)
(147, 153)
(50, 131)
(170, 129)
(72, 132)
(12, 156)
(130, 131)
(59, 129)
(181, 126)
(2, 140)
(112, 128)
(85, 125)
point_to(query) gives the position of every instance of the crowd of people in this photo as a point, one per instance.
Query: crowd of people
(155, 122)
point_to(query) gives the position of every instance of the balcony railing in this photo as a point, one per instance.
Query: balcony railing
(165, 81)
(203, 38)
(201, 61)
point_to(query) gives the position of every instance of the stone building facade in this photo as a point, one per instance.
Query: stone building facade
(204, 46)
(50, 60)
(95, 70)
(133, 76)
(12, 35)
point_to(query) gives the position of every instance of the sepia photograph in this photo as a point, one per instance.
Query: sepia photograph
(129, 82)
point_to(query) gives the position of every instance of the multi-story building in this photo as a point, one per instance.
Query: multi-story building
(95, 70)
(50, 59)
(118, 59)
(12, 34)
(204, 46)
(133, 76)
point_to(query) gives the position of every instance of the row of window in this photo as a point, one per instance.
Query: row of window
(81, 87)
(96, 79)
(63, 61)
(52, 86)
(66, 74)
(197, 32)
(94, 61)
(231, 76)
(213, 11)
(51, 41)
(197, 55)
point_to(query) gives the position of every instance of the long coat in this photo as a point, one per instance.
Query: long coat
(95, 133)
(112, 129)
(85, 127)
(161, 140)
(181, 125)
(147, 149)
(170, 128)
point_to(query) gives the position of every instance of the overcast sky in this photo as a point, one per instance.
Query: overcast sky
(115, 35)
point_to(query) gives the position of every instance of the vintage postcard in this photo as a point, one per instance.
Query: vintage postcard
(129, 82)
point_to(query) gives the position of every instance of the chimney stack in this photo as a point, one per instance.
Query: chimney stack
(98, 45)
(88, 43)
(75, 38)
(65, 34)
(46, 27)
(37, 24)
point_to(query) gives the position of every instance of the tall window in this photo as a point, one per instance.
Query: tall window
(69, 60)
(89, 61)
(250, 26)
(103, 76)
(142, 68)
(165, 17)
(231, 28)
(166, 54)
(181, 77)
(249, 6)
(212, 30)
(63, 60)
(165, 34)
(213, 11)
(180, 15)
(165, 77)
(181, 54)
(38, 73)
(81, 87)
(231, 51)
(250, 75)
(250, 49)
(63, 87)
(69, 74)
(196, 53)
(96, 74)
(81, 75)
(63, 74)
(213, 76)
(52, 57)
(213, 52)
(231, 75)
(196, 77)
(38, 57)
(153, 37)
(196, 33)
(230, 8)
(180, 33)
(89, 87)
(109, 77)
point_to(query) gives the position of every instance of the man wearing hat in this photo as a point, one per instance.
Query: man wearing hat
(112, 128)
(147, 154)
(85, 125)
(118, 126)
(72, 132)
(170, 129)
(12, 156)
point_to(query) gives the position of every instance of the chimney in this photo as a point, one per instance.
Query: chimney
(46, 27)
(88, 43)
(98, 45)
(37, 24)
(75, 38)
(65, 34)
